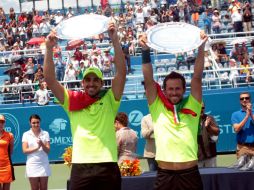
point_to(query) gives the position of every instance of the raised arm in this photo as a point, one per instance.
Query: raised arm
(49, 68)
(196, 82)
(119, 80)
(151, 91)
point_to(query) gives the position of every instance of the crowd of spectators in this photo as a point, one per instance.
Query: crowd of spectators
(17, 29)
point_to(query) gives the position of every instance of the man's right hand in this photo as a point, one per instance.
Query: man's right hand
(51, 40)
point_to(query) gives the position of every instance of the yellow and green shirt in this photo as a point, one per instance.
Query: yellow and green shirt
(175, 142)
(93, 131)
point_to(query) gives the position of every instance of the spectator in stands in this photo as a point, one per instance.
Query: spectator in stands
(69, 13)
(234, 6)
(12, 14)
(60, 69)
(242, 122)
(44, 27)
(27, 89)
(216, 21)
(125, 47)
(140, 17)
(37, 18)
(147, 132)
(42, 95)
(195, 16)
(132, 46)
(237, 20)
(234, 73)
(35, 29)
(247, 17)
(126, 138)
(174, 152)
(245, 70)
(146, 10)
(36, 145)
(2, 14)
(58, 18)
(15, 90)
(207, 138)
(38, 76)
(99, 126)
(222, 53)
(29, 68)
(78, 54)
(7, 91)
(70, 75)
(85, 59)
(252, 51)
(80, 71)
(235, 52)
(128, 6)
(108, 10)
(207, 18)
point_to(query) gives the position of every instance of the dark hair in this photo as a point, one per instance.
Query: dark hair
(174, 75)
(34, 116)
(245, 93)
(122, 118)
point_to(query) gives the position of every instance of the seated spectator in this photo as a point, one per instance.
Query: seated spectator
(245, 70)
(27, 89)
(41, 95)
(126, 138)
(38, 76)
(222, 54)
(235, 52)
(6, 91)
(16, 90)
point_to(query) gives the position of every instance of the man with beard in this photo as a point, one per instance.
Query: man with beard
(92, 116)
(176, 120)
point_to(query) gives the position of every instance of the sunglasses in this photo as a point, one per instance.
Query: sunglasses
(245, 98)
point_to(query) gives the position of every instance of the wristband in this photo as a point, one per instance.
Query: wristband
(146, 58)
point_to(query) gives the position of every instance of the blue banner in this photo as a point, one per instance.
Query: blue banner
(54, 120)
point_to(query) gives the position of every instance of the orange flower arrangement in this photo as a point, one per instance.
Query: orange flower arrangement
(130, 168)
(67, 156)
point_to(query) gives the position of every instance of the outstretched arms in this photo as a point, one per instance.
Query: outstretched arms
(120, 76)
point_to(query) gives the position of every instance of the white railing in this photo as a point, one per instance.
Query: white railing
(134, 89)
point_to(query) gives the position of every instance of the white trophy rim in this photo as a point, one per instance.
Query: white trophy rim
(100, 18)
(160, 26)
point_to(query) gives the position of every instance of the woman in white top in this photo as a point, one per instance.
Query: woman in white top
(36, 144)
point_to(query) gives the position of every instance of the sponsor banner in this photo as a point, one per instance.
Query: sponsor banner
(55, 121)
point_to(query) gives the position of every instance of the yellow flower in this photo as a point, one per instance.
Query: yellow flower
(67, 156)
(130, 168)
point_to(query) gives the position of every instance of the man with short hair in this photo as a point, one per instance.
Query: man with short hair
(207, 138)
(92, 115)
(243, 124)
(126, 138)
(176, 121)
